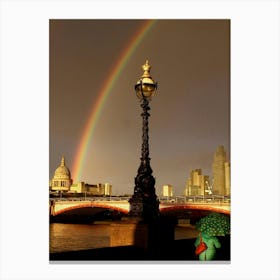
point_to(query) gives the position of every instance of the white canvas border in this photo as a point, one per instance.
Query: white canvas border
(254, 141)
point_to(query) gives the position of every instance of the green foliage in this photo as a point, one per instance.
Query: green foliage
(215, 224)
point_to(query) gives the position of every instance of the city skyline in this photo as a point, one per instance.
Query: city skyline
(159, 191)
(190, 113)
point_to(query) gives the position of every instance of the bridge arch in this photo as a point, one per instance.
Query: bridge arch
(201, 207)
(77, 206)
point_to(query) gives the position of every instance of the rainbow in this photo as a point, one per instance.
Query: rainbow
(103, 95)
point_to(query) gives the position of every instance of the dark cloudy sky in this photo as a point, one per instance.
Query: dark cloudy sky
(190, 114)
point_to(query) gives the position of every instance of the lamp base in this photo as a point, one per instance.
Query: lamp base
(144, 208)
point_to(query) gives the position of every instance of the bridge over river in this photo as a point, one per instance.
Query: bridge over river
(121, 205)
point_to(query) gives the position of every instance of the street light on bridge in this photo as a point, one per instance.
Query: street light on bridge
(144, 203)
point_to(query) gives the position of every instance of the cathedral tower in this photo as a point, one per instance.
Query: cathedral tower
(61, 180)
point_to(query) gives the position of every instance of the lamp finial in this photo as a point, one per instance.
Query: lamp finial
(146, 67)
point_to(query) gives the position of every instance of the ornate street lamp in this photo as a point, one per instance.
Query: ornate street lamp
(144, 203)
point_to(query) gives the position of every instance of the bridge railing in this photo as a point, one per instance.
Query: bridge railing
(109, 198)
(198, 199)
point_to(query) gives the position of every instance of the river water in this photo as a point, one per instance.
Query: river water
(72, 237)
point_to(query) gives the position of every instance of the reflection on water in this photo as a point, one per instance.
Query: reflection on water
(72, 237)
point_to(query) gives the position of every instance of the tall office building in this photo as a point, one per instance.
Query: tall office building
(221, 173)
(197, 183)
(107, 189)
(188, 187)
(167, 190)
(227, 178)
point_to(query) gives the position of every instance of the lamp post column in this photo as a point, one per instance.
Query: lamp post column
(144, 203)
